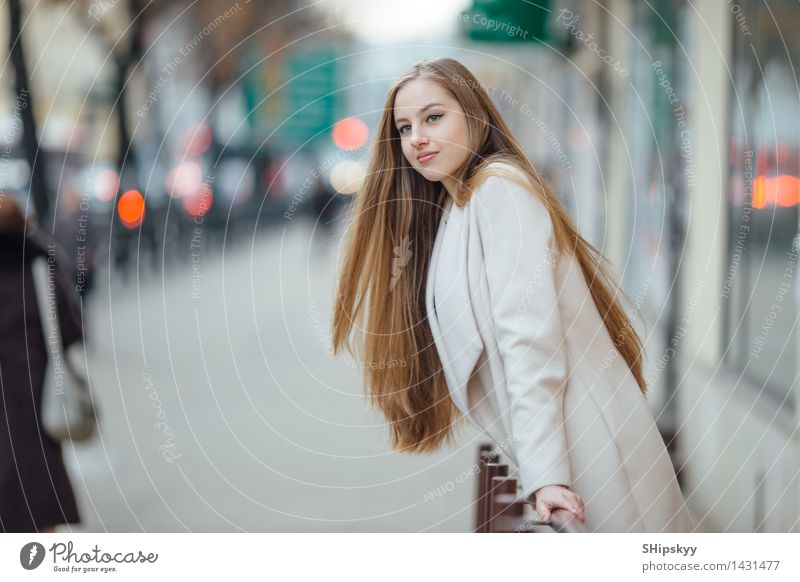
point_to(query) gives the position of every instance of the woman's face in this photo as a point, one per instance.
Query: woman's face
(431, 121)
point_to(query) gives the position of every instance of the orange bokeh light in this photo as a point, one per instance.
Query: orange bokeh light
(350, 133)
(130, 208)
(783, 190)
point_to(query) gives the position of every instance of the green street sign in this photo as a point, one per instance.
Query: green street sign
(507, 20)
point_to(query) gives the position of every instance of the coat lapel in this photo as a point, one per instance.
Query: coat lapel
(456, 337)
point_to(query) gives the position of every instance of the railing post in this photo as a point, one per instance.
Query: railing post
(500, 486)
(491, 470)
(485, 456)
(500, 510)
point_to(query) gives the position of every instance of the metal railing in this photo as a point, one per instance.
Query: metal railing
(501, 510)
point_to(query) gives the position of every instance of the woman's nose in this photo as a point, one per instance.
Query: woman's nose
(418, 140)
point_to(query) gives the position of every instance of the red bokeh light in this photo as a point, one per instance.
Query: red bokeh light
(350, 133)
(198, 204)
(106, 184)
(185, 179)
(130, 208)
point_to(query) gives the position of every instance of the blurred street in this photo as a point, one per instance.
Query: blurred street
(269, 433)
(195, 164)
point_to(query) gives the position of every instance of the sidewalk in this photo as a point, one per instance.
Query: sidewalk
(220, 410)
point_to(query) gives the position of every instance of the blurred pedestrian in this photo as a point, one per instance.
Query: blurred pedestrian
(75, 232)
(35, 490)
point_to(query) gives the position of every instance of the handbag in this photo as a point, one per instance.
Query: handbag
(68, 412)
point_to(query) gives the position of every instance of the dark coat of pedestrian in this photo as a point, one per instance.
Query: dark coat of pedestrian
(35, 490)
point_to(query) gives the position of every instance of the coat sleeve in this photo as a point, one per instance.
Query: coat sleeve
(519, 255)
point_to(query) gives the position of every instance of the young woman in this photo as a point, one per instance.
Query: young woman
(462, 263)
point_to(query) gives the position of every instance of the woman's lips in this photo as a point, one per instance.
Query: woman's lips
(427, 158)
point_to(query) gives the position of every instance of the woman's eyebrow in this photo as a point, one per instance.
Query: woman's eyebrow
(428, 106)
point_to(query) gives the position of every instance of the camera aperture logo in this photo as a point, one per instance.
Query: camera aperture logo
(65, 559)
(31, 555)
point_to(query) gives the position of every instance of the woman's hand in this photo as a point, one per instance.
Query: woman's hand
(551, 497)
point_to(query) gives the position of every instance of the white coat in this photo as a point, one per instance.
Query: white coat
(528, 360)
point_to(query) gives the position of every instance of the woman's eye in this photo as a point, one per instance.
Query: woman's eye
(436, 115)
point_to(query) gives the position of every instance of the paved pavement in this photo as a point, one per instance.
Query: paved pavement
(221, 410)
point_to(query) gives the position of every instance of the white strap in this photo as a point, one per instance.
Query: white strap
(43, 298)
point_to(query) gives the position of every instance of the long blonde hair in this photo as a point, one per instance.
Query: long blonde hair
(381, 286)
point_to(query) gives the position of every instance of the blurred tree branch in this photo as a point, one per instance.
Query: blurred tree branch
(24, 104)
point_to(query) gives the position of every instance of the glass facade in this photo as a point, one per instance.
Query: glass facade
(654, 121)
(764, 191)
